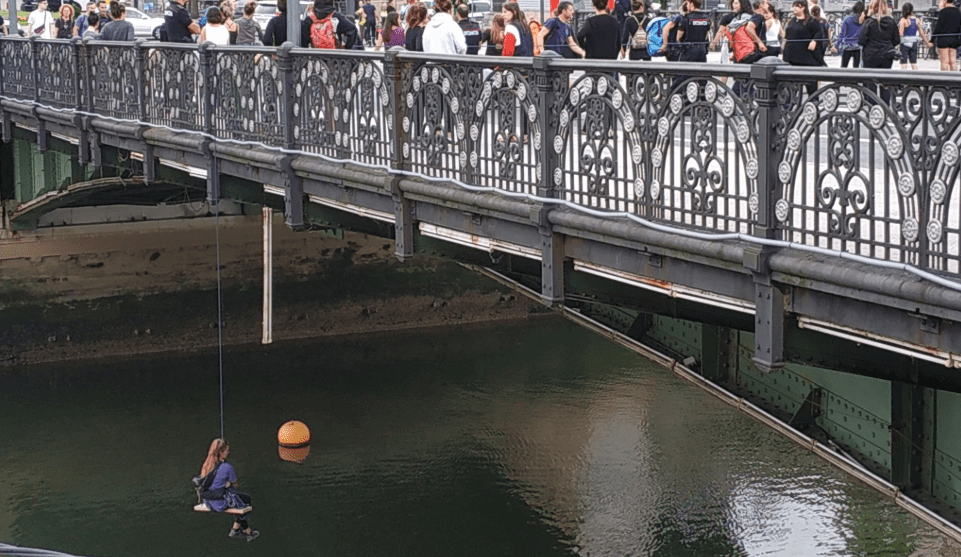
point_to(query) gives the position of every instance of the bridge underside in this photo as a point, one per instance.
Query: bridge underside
(802, 308)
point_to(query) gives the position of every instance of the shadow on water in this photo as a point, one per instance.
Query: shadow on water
(530, 439)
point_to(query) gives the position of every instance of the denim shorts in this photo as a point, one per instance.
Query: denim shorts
(909, 53)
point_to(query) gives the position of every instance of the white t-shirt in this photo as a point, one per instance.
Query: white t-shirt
(217, 34)
(39, 18)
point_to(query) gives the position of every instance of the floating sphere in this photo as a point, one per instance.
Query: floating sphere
(293, 434)
(294, 455)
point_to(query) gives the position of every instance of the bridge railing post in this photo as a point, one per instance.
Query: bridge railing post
(79, 90)
(769, 300)
(293, 185)
(552, 244)
(403, 207)
(35, 64)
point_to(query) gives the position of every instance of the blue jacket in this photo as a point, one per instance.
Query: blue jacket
(848, 36)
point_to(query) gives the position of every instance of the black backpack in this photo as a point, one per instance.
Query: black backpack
(202, 486)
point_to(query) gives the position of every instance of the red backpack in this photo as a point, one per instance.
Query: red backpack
(742, 45)
(322, 32)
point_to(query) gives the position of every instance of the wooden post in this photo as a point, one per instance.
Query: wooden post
(268, 275)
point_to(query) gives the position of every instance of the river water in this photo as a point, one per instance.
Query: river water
(527, 440)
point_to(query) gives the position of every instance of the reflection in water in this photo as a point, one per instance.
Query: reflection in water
(539, 439)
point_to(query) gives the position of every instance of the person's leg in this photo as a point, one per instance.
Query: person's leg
(943, 59)
(905, 56)
(845, 58)
(952, 59)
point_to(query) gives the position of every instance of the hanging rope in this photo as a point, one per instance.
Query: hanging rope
(220, 320)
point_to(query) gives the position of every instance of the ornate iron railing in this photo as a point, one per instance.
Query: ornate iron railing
(818, 157)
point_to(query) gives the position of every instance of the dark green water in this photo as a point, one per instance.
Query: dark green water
(526, 440)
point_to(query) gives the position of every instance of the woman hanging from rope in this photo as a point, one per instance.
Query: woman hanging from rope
(221, 493)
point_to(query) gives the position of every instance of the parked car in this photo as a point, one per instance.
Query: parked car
(482, 13)
(143, 24)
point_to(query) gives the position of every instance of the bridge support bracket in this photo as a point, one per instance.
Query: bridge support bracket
(43, 142)
(768, 326)
(7, 131)
(403, 222)
(96, 150)
(293, 195)
(213, 181)
(552, 258)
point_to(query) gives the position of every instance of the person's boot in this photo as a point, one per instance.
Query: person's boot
(252, 535)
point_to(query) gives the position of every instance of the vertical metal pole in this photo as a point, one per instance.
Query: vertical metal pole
(12, 24)
(293, 22)
(268, 276)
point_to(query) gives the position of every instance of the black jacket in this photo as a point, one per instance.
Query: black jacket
(947, 30)
(878, 38)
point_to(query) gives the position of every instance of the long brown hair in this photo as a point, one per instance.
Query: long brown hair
(416, 14)
(517, 15)
(217, 448)
(393, 20)
(498, 29)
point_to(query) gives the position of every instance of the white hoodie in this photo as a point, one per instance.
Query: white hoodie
(443, 36)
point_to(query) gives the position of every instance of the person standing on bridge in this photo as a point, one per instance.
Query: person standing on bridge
(472, 31)
(519, 40)
(81, 25)
(947, 35)
(275, 34)
(119, 29)
(40, 22)
(392, 35)
(693, 33)
(370, 28)
(323, 20)
(65, 22)
(442, 34)
(222, 493)
(847, 40)
(178, 26)
(416, 22)
(600, 36)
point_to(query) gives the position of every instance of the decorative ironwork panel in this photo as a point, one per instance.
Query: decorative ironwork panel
(56, 81)
(672, 150)
(113, 80)
(504, 127)
(173, 87)
(600, 148)
(341, 108)
(849, 182)
(247, 96)
(437, 110)
(365, 114)
(929, 116)
(17, 59)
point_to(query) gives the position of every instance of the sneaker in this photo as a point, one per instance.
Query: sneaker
(236, 533)
(252, 535)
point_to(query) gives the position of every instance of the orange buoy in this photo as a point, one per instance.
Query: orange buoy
(293, 435)
(294, 455)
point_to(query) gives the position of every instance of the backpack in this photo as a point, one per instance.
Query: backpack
(742, 46)
(655, 35)
(202, 486)
(322, 32)
(639, 40)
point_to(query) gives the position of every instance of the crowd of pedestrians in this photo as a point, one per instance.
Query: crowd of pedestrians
(868, 37)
